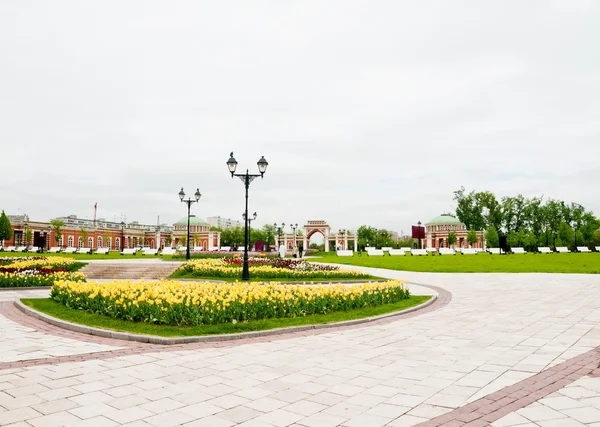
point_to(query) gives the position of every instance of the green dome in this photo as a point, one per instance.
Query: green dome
(444, 219)
(194, 220)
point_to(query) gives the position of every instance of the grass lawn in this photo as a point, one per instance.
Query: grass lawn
(55, 309)
(588, 263)
(111, 255)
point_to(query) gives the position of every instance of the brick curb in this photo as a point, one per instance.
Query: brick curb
(208, 338)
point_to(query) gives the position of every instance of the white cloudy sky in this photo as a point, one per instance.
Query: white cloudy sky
(367, 111)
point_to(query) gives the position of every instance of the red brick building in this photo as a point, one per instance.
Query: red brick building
(438, 229)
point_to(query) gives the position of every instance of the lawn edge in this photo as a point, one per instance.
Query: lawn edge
(153, 339)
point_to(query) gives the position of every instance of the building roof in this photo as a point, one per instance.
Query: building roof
(444, 219)
(194, 220)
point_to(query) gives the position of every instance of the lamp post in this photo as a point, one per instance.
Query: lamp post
(419, 233)
(122, 245)
(246, 178)
(254, 215)
(25, 236)
(279, 232)
(48, 238)
(294, 227)
(189, 202)
(575, 235)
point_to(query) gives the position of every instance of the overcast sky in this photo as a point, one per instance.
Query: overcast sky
(368, 112)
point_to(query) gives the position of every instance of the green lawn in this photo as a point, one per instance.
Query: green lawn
(588, 263)
(111, 255)
(55, 309)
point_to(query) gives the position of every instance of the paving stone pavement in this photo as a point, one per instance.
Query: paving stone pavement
(497, 332)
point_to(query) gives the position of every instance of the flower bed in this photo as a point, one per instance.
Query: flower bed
(224, 254)
(266, 268)
(37, 271)
(205, 303)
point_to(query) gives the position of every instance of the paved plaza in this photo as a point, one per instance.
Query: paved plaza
(495, 349)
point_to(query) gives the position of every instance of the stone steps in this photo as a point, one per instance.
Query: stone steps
(153, 271)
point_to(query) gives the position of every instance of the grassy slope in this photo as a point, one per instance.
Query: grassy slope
(481, 263)
(52, 308)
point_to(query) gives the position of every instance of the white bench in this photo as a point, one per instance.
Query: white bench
(544, 250)
(597, 248)
(168, 251)
(469, 251)
(447, 251)
(518, 251)
(21, 249)
(54, 250)
(479, 250)
(70, 250)
(10, 249)
(129, 251)
(150, 251)
(432, 250)
(345, 253)
(495, 251)
(225, 248)
(386, 248)
(406, 249)
(198, 248)
(84, 251)
(420, 252)
(394, 252)
(33, 249)
(583, 249)
(102, 251)
(375, 252)
(562, 250)
(458, 250)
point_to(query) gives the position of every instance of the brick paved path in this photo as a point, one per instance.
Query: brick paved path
(450, 366)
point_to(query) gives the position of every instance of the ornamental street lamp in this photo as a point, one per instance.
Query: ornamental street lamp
(294, 227)
(252, 218)
(419, 232)
(189, 202)
(48, 237)
(575, 235)
(246, 178)
(279, 232)
(122, 243)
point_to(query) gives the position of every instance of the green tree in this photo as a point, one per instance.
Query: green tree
(83, 233)
(452, 238)
(565, 234)
(471, 237)
(6, 231)
(467, 209)
(491, 237)
(57, 225)
(196, 239)
(183, 240)
(28, 234)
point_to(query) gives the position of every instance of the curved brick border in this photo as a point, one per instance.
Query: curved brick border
(207, 338)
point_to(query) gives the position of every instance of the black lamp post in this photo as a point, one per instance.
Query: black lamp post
(279, 232)
(122, 245)
(48, 237)
(25, 236)
(252, 218)
(246, 179)
(189, 202)
(575, 235)
(294, 227)
(419, 231)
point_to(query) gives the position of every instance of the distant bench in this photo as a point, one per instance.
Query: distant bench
(102, 251)
(583, 249)
(168, 251)
(518, 251)
(394, 252)
(84, 251)
(420, 252)
(345, 253)
(562, 250)
(129, 251)
(469, 251)
(447, 251)
(375, 252)
(544, 250)
(150, 251)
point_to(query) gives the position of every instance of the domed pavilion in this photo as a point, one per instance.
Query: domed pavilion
(438, 229)
(201, 238)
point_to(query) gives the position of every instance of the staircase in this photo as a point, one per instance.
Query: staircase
(129, 270)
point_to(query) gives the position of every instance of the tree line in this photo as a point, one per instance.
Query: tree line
(527, 222)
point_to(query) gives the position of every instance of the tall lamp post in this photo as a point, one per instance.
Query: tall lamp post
(246, 178)
(419, 231)
(279, 232)
(48, 237)
(254, 215)
(575, 235)
(122, 244)
(189, 202)
(294, 227)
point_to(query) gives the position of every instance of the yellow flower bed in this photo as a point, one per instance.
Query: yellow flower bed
(201, 303)
(52, 261)
(30, 278)
(300, 270)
